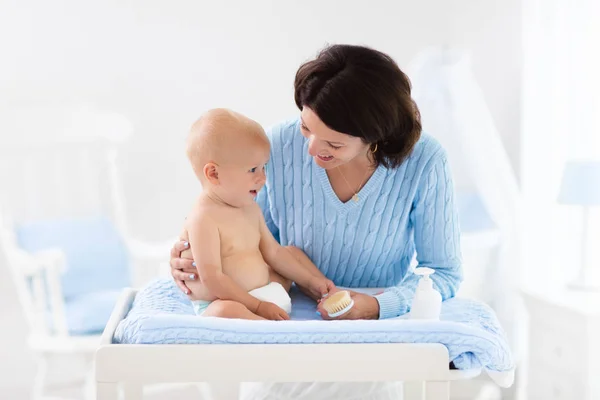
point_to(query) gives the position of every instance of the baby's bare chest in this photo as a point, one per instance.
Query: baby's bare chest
(239, 233)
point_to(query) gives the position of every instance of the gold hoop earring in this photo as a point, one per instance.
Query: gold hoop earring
(375, 149)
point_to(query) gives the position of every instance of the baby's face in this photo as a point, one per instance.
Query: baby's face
(241, 181)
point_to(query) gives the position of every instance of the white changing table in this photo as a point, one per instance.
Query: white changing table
(128, 367)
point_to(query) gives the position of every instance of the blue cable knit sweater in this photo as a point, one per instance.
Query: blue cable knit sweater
(369, 243)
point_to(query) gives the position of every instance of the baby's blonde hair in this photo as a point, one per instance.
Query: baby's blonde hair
(222, 136)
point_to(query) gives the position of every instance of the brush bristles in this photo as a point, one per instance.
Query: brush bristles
(337, 302)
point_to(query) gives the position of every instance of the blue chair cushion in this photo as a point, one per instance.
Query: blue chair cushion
(97, 265)
(89, 313)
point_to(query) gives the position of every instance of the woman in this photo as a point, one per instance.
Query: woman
(354, 186)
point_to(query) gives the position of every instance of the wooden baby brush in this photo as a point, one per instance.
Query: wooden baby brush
(338, 303)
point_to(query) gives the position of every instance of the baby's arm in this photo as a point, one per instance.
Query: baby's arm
(205, 243)
(284, 262)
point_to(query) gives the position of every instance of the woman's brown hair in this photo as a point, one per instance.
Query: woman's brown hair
(363, 93)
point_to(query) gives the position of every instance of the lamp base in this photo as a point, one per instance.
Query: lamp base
(584, 285)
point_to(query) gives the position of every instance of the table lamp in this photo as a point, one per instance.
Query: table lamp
(581, 186)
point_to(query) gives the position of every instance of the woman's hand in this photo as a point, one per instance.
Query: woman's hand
(365, 307)
(182, 269)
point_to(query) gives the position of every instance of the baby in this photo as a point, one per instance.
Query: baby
(229, 240)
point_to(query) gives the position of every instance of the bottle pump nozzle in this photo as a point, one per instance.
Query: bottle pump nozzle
(425, 282)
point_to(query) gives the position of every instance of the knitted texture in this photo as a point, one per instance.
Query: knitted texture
(162, 314)
(369, 243)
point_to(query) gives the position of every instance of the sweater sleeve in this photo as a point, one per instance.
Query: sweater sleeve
(436, 230)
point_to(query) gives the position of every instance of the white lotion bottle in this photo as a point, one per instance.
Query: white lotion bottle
(427, 303)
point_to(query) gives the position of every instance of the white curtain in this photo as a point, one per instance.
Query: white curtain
(561, 121)
(454, 110)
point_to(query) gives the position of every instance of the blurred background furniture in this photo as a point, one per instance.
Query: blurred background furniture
(563, 356)
(63, 228)
(580, 186)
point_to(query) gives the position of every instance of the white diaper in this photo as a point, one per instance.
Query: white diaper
(273, 292)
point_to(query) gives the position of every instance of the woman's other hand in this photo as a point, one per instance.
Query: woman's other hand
(182, 269)
(365, 307)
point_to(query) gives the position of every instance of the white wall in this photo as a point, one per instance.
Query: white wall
(163, 63)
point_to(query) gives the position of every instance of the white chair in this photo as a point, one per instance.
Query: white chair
(63, 230)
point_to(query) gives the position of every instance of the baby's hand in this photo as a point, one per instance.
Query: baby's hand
(320, 287)
(271, 311)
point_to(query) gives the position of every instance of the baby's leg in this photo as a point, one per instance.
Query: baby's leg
(275, 277)
(229, 309)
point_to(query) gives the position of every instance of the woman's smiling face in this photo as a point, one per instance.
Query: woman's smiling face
(329, 148)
